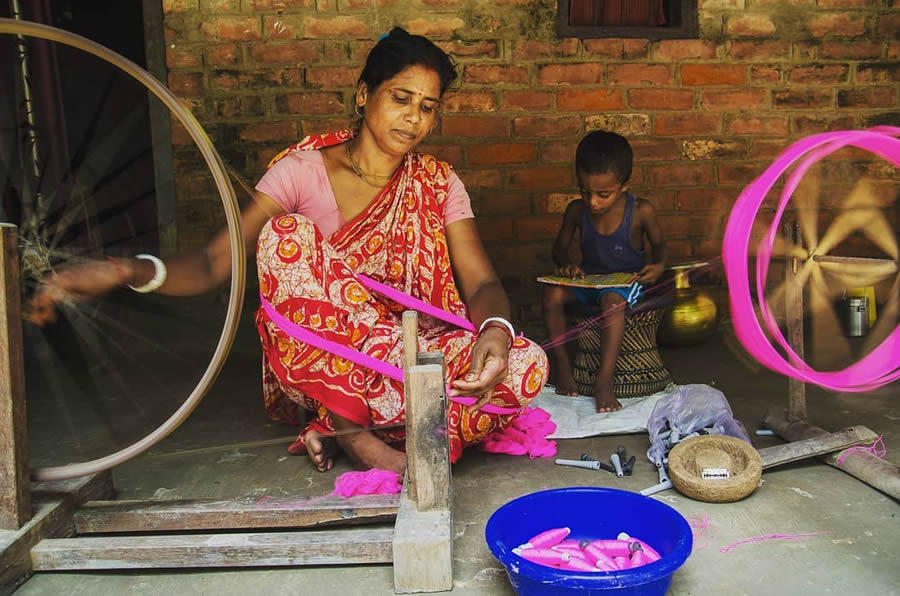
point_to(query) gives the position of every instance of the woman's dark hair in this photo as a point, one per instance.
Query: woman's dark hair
(601, 151)
(399, 50)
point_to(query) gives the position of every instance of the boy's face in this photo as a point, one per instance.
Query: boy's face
(601, 191)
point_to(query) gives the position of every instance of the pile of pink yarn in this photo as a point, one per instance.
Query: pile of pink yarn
(553, 548)
(525, 435)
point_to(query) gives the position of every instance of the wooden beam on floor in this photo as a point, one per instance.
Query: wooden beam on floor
(54, 503)
(874, 471)
(820, 445)
(268, 549)
(107, 517)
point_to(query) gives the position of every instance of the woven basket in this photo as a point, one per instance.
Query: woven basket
(639, 368)
(690, 458)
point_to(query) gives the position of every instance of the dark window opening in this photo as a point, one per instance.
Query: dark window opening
(651, 19)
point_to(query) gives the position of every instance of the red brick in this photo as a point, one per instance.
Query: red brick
(819, 74)
(713, 74)
(494, 74)
(805, 50)
(498, 153)
(285, 53)
(688, 123)
(661, 99)
(838, 24)
(703, 149)
(739, 173)
(654, 149)
(468, 101)
(558, 152)
(264, 132)
(802, 99)
(232, 28)
(680, 175)
(589, 100)
(219, 6)
(675, 224)
(759, 125)
(359, 50)
(182, 57)
(627, 125)
(781, 3)
(888, 25)
(678, 250)
(531, 49)
(527, 100)
(495, 203)
(893, 49)
(705, 199)
(324, 125)
(885, 72)
(640, 74)
(740, 99)
(662, 199)
(283, 27)
(223, 55)
(280, 77)
(617, 48)
(331, 77)
(174, 6)
(555, 202)
(310, 103)
(438, 28)
(344, 5)
(180, 135)
(540, 178)
(755, 25)
(263, 5)
(570, 74)
(186, 83)
(867, 97)
(471, 126)
(766, 149)
(537, 228)
(342, 26)
(843, 50)
(442, 3)
(335, 52)
(470, 49)
(546, 126)
(677, 50)
(759, 50)
(451, 153)
(480, 179)
(764, 73)
(495, 229)
(846, 3)
(806, 125)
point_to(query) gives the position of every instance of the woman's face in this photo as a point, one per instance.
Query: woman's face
(402, 110)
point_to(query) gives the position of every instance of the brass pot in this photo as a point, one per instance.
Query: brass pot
(693, 316)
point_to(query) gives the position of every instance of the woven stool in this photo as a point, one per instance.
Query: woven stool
(639, 368)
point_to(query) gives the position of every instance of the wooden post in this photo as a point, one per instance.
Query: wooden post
(410, 353)
(15, 485)
(427, 437)
(793, 314)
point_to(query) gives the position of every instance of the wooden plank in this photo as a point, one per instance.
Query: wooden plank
(427, 436)
(268, 549)
(794, 322)
(410, 355)
(874, 471)
(423, 548)
(15, 485)
(820, 445)
(165, 516)
(54, 503)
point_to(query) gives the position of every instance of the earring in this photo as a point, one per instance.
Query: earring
(358, 110)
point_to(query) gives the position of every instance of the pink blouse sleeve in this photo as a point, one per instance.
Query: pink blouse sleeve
(458, 205)
(294, 181)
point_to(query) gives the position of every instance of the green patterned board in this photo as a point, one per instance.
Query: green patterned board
(600, 280)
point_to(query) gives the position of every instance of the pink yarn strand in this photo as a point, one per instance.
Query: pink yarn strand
(769, 537)
(876, 449)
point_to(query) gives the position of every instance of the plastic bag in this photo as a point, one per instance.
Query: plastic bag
(690, 409)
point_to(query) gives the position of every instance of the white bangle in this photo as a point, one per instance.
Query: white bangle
(159, 275)
(504, 322)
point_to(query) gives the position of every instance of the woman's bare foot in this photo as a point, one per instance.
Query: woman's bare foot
(566, 386)
(320, 449)
(605, 398)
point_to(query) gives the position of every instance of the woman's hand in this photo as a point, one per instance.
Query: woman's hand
(79, 282)
(490, 358)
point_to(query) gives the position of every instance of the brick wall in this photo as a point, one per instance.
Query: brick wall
(705, 115)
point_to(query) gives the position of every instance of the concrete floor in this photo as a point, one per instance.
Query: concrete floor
(856, 552)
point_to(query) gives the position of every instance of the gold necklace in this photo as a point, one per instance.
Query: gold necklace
(376, 180)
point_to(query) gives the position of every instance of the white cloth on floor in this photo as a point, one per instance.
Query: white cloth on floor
(576, 417)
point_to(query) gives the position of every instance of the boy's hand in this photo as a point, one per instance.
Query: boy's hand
(573, 271)
(649, 274)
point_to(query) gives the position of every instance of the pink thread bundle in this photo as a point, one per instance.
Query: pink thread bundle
(553, 548)
(371, 482)
(526, 435)
(877, 449)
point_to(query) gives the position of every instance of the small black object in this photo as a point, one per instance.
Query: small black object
(607, 467)
(629, 466)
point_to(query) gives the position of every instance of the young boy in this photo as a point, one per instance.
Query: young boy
(609, 224)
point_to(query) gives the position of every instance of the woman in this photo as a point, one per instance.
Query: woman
(343, 204)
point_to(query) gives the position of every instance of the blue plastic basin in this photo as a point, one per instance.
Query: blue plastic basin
(590, 513)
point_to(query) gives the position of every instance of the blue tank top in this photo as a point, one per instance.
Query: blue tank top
(613, 253)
